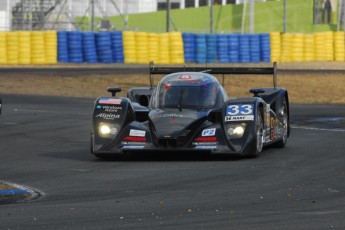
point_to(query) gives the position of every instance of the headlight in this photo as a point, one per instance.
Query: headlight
(107, 130)
(236, 130)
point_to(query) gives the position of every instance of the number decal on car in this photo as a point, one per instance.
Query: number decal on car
(239, 112)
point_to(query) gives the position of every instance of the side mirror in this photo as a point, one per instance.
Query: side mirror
(114, 90)
(214, 115)
(256, 91)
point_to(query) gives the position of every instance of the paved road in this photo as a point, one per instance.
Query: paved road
(44, 144)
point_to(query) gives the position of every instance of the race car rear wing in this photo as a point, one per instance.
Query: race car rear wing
(216, 70)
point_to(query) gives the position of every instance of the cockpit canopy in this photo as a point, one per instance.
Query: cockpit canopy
(187, 91)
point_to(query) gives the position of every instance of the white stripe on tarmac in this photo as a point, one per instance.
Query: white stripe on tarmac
(318, 129)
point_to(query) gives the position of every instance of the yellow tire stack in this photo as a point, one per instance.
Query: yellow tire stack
(12, 48)
(329, 46)
(297, 48)
(50, 45)
(176, 48)
(287, 40)
(275, 39)
(319, 46)
(339, 47)
(24, 47)
(153, 47)
(128, 38)
(308, 48)
(37, 48)
(141, 44)
(3, 49)
(164, 48)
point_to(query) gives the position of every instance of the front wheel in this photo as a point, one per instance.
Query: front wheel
(259, 134)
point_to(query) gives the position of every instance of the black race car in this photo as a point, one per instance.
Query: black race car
(189, 110)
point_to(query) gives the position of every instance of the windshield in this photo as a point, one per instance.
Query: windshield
(188, 97)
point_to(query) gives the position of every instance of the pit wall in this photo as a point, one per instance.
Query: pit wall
(51, 47)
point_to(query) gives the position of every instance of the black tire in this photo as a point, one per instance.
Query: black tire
(91, 143)
(259, 129)
(285, 117)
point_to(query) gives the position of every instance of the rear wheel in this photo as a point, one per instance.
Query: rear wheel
(285, 119)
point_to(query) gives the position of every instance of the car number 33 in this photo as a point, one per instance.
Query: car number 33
(240, 109)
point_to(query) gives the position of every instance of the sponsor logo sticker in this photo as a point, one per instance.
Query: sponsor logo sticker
(108, 116)
(240, 118)
(110, 101)
(137, 133)
(208, 132)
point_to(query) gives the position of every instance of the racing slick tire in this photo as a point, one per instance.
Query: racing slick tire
(259, 129)
(285, 117)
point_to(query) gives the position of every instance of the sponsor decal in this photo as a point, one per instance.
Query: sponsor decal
(208, 132)
(205, 141)
(111, 109)
(240, 118)
(108, 116)
(98, 107)
(239, 112)
(205, 147)
(132, 147)
(273, 125)
(185, 77)
(137, 133)
(110, 101)
(174, 115)
(135, 139)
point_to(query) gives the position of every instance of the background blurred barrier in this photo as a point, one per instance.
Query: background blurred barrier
(51, 47)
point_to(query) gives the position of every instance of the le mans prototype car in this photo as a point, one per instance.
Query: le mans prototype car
(189, 110)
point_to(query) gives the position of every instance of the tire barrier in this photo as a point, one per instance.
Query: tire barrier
(265, 47)
(62, 46)
(222, 48)
(189, 47)
(164, 48)
(89, 47)
(153, 43)
(275, 45)
(141, 47)
(3, 48)
(254, 48)
(103, 47)
(233, 48)
(117, 47)
(129, 47)
(51, 47)
(74, 44)
(12, 48)
(176, 48)
(339, 47)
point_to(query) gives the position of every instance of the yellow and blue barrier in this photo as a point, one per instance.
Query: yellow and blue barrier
(51, 47)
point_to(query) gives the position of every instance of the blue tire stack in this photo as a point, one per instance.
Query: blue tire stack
(222, 48)
(200, 46)
(211, 50)
(117, 47)
(89, 47)
(189, 47)
(233, 48)
(62, 41)
(75, 51)
(103, 46)
(244, 50)
(254, 47)
(265, 48)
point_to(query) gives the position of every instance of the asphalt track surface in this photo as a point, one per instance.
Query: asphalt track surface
(44, 144)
